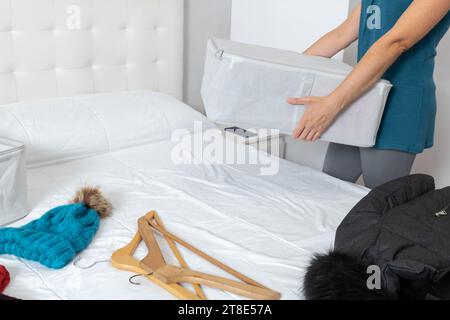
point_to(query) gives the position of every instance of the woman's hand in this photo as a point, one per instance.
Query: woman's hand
(320, 113)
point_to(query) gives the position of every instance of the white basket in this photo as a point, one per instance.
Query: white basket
(248, 86)
(13, 184)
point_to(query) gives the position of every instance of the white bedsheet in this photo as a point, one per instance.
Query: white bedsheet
(267, 227)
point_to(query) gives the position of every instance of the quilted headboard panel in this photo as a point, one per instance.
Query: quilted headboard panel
(51, 48)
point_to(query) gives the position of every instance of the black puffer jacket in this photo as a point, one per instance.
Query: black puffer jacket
(403, 227)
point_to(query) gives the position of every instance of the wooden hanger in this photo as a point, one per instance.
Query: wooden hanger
(169, 277)
(123, 259)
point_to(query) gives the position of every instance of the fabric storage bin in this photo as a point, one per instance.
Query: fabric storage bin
(13, 185)
(248, 86)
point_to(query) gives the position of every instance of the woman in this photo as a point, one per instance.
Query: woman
(397, 42)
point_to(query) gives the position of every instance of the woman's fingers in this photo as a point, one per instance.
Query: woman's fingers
(317, 136)
(320, 113)
(299, 101)
(309, 126)
(311, 135)
(298, 131)
(305, 134)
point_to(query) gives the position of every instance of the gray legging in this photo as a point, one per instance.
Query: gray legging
(377, 166)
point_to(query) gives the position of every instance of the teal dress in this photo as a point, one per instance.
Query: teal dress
(409, 118)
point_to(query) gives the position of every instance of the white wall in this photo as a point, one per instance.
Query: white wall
(203, 19)
(286, 24)
(294, 24)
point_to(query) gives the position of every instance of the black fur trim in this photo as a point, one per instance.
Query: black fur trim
(338, 276)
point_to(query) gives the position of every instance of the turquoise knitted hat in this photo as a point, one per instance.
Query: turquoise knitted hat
(54, 239)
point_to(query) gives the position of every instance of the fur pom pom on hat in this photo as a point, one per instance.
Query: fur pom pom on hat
(54, 239)
(93, 198)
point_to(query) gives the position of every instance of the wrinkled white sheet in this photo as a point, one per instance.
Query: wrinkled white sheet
(267, 227)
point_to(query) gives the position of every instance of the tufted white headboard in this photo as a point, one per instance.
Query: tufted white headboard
(51, 48)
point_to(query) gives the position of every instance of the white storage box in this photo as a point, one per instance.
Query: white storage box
(13, 185)
(248, 86)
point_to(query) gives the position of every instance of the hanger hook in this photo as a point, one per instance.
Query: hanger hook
(131, 280)
(93, 264)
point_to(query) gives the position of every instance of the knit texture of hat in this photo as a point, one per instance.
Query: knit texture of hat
(4, 278)
(54, 239)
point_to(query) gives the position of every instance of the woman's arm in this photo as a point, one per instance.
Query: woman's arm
(417, 21)
(338, 39)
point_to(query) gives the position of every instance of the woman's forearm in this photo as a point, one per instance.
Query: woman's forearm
(338, 39)
(367, 73)
(329, 45)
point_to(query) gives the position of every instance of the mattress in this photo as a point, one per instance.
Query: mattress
(267, 227)
(248, 85)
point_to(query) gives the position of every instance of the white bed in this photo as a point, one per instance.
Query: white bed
(267, 227)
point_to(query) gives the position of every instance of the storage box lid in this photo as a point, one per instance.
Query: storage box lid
(282, 57)
(9, 146)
